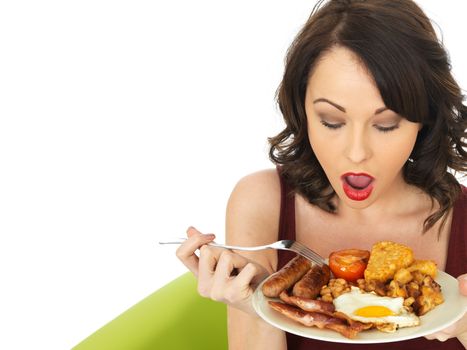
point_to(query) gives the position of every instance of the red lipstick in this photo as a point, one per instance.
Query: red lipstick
(357, 186)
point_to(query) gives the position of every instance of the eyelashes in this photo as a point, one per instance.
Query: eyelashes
(379, 128)
(387, 128)
(332, 126)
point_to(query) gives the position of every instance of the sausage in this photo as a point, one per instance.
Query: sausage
(310, 284)
(286, 277)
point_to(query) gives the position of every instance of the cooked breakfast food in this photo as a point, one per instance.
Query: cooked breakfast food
(395, 290)
(386, 259)
(307, 304)
(349, 264)
(286, 277)
(311, 283)
(320, 320)
(376, 310)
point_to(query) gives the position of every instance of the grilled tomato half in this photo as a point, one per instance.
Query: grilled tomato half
(349, 264)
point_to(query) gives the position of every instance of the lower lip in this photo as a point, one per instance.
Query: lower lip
(357, 195)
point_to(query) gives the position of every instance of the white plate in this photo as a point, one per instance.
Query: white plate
(453, 308)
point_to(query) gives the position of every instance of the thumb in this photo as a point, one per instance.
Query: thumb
(463, 284)
(191, 231)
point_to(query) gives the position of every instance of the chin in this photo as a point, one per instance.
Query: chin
(356, 204)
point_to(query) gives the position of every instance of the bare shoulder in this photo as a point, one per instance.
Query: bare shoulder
(253, 213)
(257, 195)
(262, 187)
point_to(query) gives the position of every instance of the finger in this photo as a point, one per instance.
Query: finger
(191, 231)
(186, 251)
(242, 287)
(208, 261)
(252, 274)
(231, 264)
(444, 334)
(228, 262)
(438, 336)
(449, 330)
(443, 337)
(462, 284)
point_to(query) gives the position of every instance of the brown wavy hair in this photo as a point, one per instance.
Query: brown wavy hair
(396, 42)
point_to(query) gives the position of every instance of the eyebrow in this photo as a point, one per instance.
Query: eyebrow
(379, 110)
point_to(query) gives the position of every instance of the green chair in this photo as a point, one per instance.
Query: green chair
(175, 317)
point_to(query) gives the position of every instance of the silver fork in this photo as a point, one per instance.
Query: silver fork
(285, 244)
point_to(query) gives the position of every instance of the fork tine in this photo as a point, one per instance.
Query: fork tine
(312, 258)
(314, 254)
(308, 253)
(315, 259)
(308, 250)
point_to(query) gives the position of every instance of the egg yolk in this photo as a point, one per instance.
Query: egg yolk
(374, 311)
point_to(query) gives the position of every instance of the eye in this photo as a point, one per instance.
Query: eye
(387, 128)
(331, 125)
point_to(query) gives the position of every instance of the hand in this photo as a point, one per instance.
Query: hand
(458, 329)
(222, 274)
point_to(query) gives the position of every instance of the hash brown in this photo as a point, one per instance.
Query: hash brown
(386, 259)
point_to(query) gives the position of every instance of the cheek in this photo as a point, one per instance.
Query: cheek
(320, 145)
(395, 153)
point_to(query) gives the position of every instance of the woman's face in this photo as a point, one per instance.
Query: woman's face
(361, 145)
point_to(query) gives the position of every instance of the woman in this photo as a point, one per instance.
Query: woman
(374, 120)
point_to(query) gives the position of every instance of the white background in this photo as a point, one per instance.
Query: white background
(124, 122)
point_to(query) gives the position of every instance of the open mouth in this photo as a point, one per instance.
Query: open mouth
(359, 182)
(357, 186)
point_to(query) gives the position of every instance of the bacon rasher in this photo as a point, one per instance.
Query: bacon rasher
(307, 304)
(316, 319)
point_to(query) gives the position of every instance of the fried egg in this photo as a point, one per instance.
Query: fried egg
(372, 308)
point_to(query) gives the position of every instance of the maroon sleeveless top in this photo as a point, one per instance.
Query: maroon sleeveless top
(456, 265)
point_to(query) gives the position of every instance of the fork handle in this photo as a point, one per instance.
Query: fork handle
(234, 247)
(182, 240)
(220, 245)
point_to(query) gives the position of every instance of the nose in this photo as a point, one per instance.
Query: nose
(358, 149)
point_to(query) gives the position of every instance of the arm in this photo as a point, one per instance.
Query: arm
(251, 333)
(231, 277)
(253, 219)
